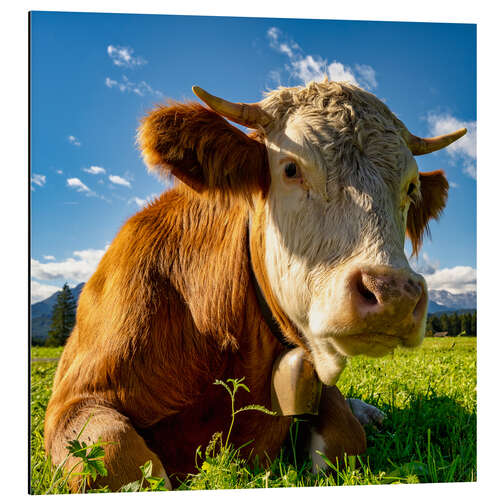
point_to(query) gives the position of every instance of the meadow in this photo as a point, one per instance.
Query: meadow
(429, 434)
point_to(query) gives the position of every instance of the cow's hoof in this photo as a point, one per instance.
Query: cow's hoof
(366, 413)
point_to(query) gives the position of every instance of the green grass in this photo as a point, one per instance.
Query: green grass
(429, 396)
(429, 435)
(46, 352)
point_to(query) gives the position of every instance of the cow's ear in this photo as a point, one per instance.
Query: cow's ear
(203, 150)
(434, 193)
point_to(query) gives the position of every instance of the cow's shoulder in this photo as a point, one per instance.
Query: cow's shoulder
(181, 251)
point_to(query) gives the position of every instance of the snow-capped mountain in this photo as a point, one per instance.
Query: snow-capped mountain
(467, 300)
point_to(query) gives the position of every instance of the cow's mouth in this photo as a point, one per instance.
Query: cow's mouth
(371, 344)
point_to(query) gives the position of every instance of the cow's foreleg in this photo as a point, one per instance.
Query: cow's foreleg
(124, 454)
(335, 431)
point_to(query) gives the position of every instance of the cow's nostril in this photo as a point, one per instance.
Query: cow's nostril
(369, 296)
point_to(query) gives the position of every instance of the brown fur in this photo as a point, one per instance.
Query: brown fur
(168, 311)
(346, 435)
(171, 308)
(434, 193)
(203, 150)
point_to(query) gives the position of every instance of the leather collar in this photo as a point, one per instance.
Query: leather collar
(269, 318)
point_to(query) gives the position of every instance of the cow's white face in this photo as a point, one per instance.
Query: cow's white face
(336, 216)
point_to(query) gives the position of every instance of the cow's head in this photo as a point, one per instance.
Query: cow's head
(334, 188)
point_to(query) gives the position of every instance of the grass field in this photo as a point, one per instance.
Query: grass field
(429, 434)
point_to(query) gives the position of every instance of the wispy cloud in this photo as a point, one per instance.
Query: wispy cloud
(366, 76)
(74, 140)
(306, 67)
(77, 184)
(124, 56)
(38, 179)
(49, 257)
(140, 202)
(77, 268)
(141, 89)
(116, 179)
(60, 172)
(462, 151)
(95, 170)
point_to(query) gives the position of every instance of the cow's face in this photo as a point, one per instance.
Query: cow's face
(342, 183)
(341, 189)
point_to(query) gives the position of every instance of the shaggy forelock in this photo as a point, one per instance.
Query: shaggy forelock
(347, 126)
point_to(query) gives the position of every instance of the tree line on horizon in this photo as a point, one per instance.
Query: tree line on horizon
(453, 323)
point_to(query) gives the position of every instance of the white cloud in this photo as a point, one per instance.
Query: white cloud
(49, 257)
(306, 67)
(273, 34)
(124, 56)
(77, 184)
(95, 170)
(309, 68)
(141, 89)
(60, 172)
(40, 292)
(458, 279)
(110, 83)
(72, 269)
(138, 201)
(74, 140)
(338, 72)
(38, 179)
(116, 179)
(463, 150)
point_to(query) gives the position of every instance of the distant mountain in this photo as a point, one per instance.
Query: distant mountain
(41, 313)
(450, 301)
(434, 307)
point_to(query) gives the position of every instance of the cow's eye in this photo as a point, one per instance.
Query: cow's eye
(411, 188)
(291, 170)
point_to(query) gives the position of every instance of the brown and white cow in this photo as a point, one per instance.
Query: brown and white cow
(305, 217)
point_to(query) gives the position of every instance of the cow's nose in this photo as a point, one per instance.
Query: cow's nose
(397, 294)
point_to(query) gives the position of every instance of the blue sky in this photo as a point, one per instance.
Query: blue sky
(95, 75)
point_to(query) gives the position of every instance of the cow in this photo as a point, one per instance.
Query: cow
(289, 236)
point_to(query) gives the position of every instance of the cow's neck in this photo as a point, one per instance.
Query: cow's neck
(267, 314)
(278, 322)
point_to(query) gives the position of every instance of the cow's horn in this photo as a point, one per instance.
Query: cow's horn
(249, 115)
(422, 146)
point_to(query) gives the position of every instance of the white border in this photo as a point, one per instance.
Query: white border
(14, 212)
